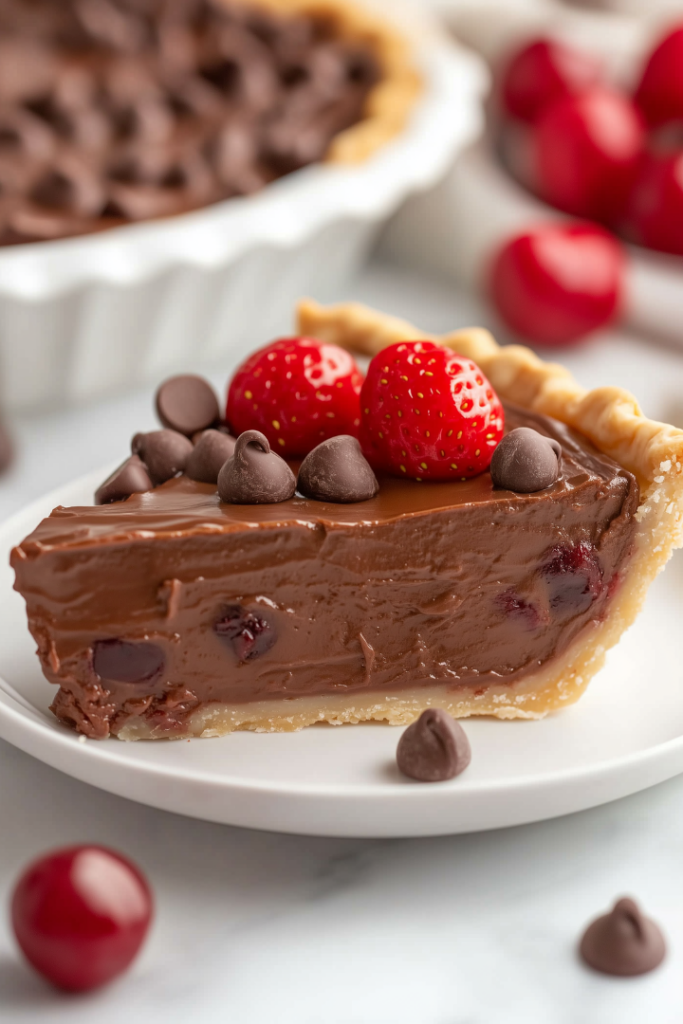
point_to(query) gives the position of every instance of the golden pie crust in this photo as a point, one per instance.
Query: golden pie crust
(612, 420)
(391, 102)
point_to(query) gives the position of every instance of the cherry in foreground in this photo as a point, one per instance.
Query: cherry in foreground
(80, 916)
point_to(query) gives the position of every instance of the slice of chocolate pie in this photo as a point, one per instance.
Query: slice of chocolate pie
(198, 608)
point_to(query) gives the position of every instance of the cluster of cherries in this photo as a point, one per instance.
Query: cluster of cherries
(595, 152)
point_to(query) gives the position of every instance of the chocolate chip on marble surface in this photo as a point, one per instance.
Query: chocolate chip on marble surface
(434, 748)
(131, 477)
(255, 475)
(337, 471)
(210, 453)
(526, 461)
(164, 453)
(187, 403)
(623, 942)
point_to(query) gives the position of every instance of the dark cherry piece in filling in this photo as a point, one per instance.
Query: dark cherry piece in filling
(124, 662)
(513, 604)
(574, 578)
(250, 635)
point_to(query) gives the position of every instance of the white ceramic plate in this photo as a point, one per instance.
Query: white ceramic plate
(625, 735)
(86, 316)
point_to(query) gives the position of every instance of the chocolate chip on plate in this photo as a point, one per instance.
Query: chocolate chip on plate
(131, 477)
(337, 471)
(526, 461)
(187, 404)
(255, 475)
(211, 451)
(164, 452)
(623, 942)
(434, 748)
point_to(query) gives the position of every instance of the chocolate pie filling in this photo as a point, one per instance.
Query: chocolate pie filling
(157, 605)
(114, 111)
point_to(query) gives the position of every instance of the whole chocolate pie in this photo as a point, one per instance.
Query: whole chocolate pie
(115, 111)
(205, 594)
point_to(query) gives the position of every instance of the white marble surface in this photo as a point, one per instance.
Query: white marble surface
(254, 928)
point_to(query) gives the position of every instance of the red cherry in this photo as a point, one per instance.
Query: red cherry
(660, 90)
(586, 151)
(428, 413)
(298, 392)
(654, 216)
(80, 916)
(544, 71)
(558, 282)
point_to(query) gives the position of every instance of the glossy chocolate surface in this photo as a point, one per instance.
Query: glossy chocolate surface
(454, 583)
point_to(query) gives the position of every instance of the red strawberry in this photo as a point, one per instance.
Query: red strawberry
(298, 392)
(428, 413)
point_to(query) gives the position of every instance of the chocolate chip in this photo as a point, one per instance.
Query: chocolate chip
(222, 428)
(121, 661)
(187, 404)
(337, 471)
(164, 452)
(434, 748)
(211, 451)
(623, 942)
(255, 475)
(131, 477)
(526, 461)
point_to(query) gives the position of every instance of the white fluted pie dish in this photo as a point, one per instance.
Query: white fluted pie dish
(86, 316)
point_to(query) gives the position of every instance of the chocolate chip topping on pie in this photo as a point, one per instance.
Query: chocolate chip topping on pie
(114, 111)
